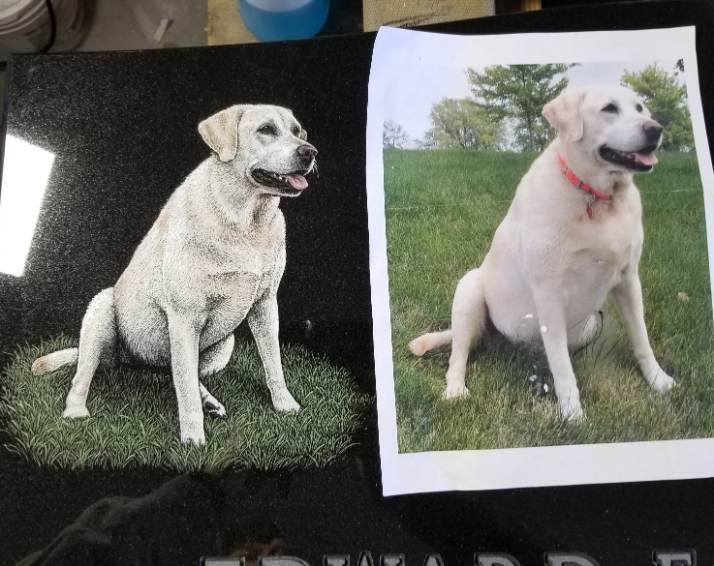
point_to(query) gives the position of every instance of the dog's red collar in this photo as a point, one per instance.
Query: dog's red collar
(591, 193)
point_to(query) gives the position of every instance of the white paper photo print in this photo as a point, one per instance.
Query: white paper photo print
(541, 291)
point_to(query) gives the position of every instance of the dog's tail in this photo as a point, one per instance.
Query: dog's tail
(423, 344)
(54, 361)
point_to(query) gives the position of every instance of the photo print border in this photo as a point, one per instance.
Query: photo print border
(533, 466)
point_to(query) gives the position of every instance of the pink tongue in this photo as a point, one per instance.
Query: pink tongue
(297, 182)
(646, 158)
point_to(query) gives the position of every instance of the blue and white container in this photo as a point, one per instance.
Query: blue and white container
(273, 20)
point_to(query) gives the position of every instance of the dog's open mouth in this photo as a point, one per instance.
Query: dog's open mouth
(287, 183)
(641, 160)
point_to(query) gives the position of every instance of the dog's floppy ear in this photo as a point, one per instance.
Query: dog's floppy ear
(303, 135)
(220, 131)
(563, 113)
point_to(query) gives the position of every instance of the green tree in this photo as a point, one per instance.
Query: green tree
(517, 94)
(394, 135)
(667, 101)
(461, 124)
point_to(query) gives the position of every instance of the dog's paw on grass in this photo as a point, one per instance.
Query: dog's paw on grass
(134, 422)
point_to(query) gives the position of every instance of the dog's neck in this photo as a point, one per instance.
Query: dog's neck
(605, 179)
(242, 206)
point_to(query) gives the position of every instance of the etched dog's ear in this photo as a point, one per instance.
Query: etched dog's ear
(303, 135)
(220, 131)
(564, 115)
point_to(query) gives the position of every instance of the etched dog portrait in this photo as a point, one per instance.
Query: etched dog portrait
(214, 257)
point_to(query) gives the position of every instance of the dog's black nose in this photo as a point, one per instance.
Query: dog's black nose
(307, 153)
(652, 130)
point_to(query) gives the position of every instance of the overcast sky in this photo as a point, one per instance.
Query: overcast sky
(413, 90)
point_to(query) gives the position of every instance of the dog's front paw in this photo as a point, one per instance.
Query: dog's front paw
(453, 392)
(76, 412)
(660, 381)
(573, 413)
(191, 427)
(197, 437)
(285, 403)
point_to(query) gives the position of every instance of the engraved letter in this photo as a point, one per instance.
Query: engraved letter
(365, 559)
(675, 558)
(281, 561)
(222, 561)
(392, 560)
(569, 559)
(496, 559)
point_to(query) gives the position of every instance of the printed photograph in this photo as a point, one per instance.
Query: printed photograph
(547, 258)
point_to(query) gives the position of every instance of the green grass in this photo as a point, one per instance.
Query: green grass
(442, 210)
(134, 420)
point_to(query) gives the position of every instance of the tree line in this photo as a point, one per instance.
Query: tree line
(504, 110)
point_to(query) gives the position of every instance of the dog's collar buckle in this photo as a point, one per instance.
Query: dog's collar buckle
(588, 198)
(589, 195)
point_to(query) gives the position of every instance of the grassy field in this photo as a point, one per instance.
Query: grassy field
(442, 210)
(134, 420)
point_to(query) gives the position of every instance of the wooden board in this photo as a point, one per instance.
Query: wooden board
(403, 13)
(225, 25)
(530, 5)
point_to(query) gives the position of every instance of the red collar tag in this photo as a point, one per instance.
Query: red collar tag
(575, 181)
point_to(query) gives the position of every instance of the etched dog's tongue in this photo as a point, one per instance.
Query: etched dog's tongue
(297, 182)
(646, 158)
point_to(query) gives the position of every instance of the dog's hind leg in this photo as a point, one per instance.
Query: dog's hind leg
(97, 343)
(211, 405)
(212, 360)
(585, 332)
(468, 325)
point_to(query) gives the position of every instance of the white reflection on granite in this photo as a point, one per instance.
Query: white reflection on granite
(26, 171)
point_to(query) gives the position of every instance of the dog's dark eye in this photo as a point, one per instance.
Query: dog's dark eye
(268, 130)
(611, 108)
(639, 108)
(295, 130)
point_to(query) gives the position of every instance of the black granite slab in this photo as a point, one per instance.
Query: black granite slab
(123, 129)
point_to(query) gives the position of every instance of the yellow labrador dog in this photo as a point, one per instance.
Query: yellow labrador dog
(214, 257)
(572, 235)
